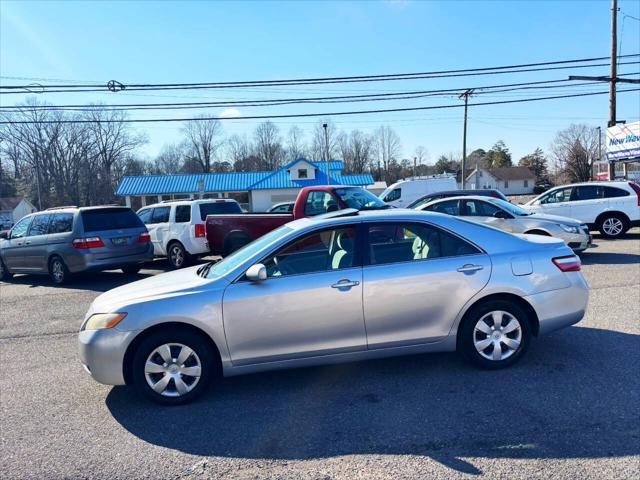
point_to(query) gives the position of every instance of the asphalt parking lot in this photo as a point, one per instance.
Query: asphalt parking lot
(570, 409)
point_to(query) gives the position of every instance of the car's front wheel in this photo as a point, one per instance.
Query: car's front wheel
(5, 274)
(173, 366)
(495, 334)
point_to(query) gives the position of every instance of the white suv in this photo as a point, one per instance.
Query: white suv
(178, 228)
(610, 207)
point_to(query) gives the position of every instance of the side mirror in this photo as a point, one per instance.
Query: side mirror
(256, 273)
(4, 234)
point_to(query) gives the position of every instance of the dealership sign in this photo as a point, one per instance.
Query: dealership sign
(623, 141)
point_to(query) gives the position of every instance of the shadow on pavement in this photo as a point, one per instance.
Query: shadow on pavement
(575, 395)
(609, 258)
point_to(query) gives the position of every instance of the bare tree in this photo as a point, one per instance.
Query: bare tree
(575, 149)
(421, 155)
(388, 147)
(268, 145)
(238, 150)
(295, 143)
(362, 149)
(171, 158)
(204, 137)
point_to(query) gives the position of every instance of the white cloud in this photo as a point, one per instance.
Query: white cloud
(230, 113)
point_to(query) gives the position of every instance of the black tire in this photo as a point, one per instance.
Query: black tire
(235, 242)
(5, 274)
(195, 342)
(131, 269)
(58, 271)
(613, 225)
(177, 255)
(469, 335)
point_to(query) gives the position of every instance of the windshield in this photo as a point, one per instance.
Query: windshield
(510, 207)
(360, 199)
(230, 262)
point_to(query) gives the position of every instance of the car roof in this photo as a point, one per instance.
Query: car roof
(187, 201)
(614, 183)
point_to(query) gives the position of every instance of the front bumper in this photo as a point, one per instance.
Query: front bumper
(578, 242)
(102, 353)
(561, 308)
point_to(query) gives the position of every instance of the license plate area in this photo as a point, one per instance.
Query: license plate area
(120, 241)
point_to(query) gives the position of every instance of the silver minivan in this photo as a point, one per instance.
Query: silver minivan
(67, 240)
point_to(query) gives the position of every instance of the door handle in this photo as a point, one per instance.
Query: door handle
(345, 283)
(470, 268)
(27, 243)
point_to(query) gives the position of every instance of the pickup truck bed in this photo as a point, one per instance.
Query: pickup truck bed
(227, 233)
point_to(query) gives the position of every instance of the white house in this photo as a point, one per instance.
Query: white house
(509, 180)
(261, 189)
(13, 209)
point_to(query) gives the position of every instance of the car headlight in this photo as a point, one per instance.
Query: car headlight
(569, 228)
(99, 321)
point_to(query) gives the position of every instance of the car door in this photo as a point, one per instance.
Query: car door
(587, 203)
(556, 202)
(159, 228)
(13, 247)
(309, 305)
(488, 213)
(416, 279)
(35, 244)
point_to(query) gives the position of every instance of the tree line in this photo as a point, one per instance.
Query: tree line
(59, 163)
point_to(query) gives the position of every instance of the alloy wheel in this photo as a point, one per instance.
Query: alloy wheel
(497, 335)
(176, 255)
(173, 370)
(57, 271)
(612, 226)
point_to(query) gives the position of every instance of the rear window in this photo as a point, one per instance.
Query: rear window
(610, 192)
(110, 219)
(216, 208)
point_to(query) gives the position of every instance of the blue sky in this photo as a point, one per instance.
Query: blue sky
(167, 41)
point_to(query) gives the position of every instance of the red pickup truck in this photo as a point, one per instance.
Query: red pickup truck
(227, 233)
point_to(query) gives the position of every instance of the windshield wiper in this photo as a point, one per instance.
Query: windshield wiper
(204, 269)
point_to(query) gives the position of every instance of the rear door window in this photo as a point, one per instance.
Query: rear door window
(160, 215)
(39, 225)
(587, 192)
(109, 219)
(183, 213)
(61, 223)
(218, 208)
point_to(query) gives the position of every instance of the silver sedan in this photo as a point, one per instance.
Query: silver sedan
(512, 218)
(345, 286)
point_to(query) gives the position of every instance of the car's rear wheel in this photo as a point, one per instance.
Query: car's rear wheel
(173, 366)
(131, 269)
(5, 274)
(58, 271)
(612, 225)
(177, 255)
(495, 334)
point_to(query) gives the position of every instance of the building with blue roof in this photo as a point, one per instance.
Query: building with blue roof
(261, 189)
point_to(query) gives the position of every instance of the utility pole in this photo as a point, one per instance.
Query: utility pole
(464, 95)
(326, 151)
(599, 147)
(415, 161)
(612, 79)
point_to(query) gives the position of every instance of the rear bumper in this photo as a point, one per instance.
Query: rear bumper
(557, 309)
(86, 261)
(102, 354)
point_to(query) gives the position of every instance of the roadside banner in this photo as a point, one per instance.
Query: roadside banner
(623, 141)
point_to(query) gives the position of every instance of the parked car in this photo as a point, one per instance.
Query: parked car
(457, 193)
(541, 187)
(227, 233)
(284, 207)
(404, 192)
(342, 287)
(62, 241)
(511, 218)
(177, 228)
(610, 207)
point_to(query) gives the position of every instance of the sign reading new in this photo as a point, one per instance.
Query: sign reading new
(623, 141)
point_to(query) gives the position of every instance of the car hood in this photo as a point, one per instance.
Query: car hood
(553, 218)
(164, 285)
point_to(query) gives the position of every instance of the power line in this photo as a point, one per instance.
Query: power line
(484, 90)
(322, 114)
(117, 86)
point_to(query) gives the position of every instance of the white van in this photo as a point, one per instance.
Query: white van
(403, 192)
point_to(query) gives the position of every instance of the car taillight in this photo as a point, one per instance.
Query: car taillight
(89, 242)
(144, 238)
(570, 263)
(636, 188)
(200, 230)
